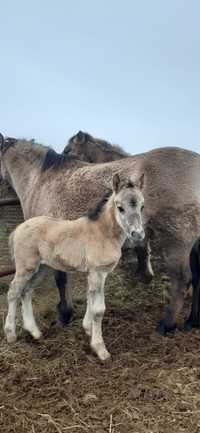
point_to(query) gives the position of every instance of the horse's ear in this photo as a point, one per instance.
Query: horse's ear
(116, 183)
(140, 182)
(80, 138)
(1, 142)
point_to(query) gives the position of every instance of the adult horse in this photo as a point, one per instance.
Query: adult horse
(177, 208)
(48, 183)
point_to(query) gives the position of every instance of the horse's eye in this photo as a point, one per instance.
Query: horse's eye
(121, 209)
(142, 207)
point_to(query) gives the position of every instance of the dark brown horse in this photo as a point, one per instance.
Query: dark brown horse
(48, 183)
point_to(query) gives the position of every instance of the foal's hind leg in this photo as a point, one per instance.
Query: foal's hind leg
(27, 314)
(18, 284)
(143, 251)
(65, 306)
(96, 281)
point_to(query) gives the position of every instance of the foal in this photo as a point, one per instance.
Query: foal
(90, 244)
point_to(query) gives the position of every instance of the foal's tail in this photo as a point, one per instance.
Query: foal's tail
(194, 319)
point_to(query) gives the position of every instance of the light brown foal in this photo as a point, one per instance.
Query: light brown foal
(90, 244)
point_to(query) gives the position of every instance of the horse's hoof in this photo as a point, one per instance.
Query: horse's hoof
(189, 324)
(65, 316)
(146, 277)
(163, 328)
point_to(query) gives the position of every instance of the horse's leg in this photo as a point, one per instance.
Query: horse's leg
(18, 284)
(65, 306)
(27, 314)
(96, 282)
(172, 311)
(194, 318)
(143, 252)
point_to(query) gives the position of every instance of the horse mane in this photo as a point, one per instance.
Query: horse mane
(108, 147)
(94, 214)
(55, 160)
(104, 145)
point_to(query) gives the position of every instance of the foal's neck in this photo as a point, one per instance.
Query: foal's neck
(109, 223)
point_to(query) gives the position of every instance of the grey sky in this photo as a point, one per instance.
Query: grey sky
(127, 71)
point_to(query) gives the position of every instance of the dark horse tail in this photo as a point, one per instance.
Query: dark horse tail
(1, 141)
(194, 318)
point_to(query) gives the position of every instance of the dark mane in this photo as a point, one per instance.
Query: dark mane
(94, 214)
(102, 144)
(55, 160)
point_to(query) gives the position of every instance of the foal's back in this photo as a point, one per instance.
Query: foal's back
(50, 241)
(79, 244)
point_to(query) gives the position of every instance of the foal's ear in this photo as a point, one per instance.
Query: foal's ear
(116, 183)
(140, 182)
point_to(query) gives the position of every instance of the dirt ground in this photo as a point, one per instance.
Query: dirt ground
(57, 385)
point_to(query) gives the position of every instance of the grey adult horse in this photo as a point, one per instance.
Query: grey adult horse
(48, 183)
(178, 185)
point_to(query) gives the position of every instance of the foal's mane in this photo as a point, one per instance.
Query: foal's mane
(94, 214)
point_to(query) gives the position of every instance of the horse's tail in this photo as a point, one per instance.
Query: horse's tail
(1, 141)
(194, 319)
(11, 245)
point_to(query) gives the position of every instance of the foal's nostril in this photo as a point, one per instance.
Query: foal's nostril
(137, 236)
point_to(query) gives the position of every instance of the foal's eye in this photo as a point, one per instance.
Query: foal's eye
(121, 209)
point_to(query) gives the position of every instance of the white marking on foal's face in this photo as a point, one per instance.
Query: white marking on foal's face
(129, 204)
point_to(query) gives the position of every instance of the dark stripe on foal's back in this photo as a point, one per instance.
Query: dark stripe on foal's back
(55, 160)
(94, 214)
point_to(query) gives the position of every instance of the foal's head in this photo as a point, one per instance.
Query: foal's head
(129, 204)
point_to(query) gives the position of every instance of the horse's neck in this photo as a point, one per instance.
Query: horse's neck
(23, 174)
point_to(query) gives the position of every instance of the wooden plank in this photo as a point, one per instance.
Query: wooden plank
(9, 202)
(5, 272)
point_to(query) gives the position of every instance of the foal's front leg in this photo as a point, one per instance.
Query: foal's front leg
(28, 316)
(95, 312)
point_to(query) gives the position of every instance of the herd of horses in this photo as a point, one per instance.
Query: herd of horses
(76, 185)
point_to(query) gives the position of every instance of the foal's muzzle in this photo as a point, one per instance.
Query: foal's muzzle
(137, 236)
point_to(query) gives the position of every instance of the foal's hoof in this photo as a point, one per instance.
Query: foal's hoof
(36, 334)
(11, 338)
(163, 328)
(65, 315)
(101, 352)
